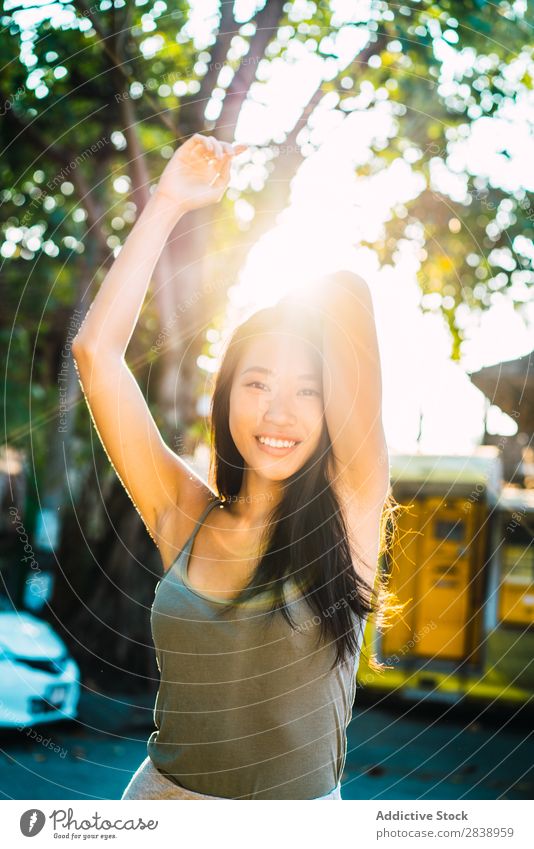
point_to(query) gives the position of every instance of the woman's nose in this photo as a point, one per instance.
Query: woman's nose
(279, 410)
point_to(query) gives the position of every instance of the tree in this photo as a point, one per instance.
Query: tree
(98, 98)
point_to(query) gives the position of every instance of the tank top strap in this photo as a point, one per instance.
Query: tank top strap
(200, 520)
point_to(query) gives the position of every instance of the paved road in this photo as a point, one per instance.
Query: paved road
(95, 766)
(402, 751)
(394, 752)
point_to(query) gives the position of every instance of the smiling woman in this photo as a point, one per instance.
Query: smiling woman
(272, 453)
(276, 408)
(269, 566)
(269, 588)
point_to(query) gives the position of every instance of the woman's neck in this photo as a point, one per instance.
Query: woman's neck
(255, 501)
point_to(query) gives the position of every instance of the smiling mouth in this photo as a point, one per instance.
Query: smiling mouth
(273, 448)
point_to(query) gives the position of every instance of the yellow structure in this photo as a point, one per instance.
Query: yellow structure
(463, 560)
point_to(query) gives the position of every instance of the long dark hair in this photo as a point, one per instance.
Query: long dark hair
(305, 536)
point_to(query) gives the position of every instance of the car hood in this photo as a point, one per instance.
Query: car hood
(24, 635)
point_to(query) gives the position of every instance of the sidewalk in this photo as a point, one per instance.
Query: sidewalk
(116, 712)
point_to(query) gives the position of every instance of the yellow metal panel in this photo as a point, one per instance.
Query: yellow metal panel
(516, 599)
(438, 569)
(443, 579)
(403, 563)
(479, 583)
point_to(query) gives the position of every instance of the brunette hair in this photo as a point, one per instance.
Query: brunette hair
(307, 526)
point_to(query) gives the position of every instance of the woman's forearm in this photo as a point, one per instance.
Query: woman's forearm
(113, 314)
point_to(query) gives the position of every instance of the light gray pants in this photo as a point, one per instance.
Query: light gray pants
(149, 783)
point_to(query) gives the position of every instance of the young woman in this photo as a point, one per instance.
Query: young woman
(269, 569)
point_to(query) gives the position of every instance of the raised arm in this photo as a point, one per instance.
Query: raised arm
(353, 386)
(153, 475)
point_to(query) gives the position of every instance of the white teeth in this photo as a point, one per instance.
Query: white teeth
(276, 443)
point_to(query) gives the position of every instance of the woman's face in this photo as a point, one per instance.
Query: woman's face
(276, 394)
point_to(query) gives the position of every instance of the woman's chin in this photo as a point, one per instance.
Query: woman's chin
(274, 471)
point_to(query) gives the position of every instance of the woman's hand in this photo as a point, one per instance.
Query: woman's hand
(198, 172)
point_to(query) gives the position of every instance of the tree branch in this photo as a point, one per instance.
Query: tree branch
(286, 165)
(62, 155)
(267, 21)
(119, 65)
(227, 30)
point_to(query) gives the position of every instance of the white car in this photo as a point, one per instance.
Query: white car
(39, 681)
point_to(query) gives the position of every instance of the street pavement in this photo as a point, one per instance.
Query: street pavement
(395, 751)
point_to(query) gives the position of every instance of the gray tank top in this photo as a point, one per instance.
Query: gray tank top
(247, 708)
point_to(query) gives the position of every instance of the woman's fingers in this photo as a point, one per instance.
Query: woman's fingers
(215, 148)
(231, 150)
(209, 143)
(225, 170)
(197, 141)
(222, 177)
(217, 155)
(219, 149)
(203, 146)
(234, 149)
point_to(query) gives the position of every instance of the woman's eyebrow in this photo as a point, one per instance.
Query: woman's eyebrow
(270, 371)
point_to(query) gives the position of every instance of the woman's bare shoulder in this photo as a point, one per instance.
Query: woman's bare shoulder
(176, 524)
